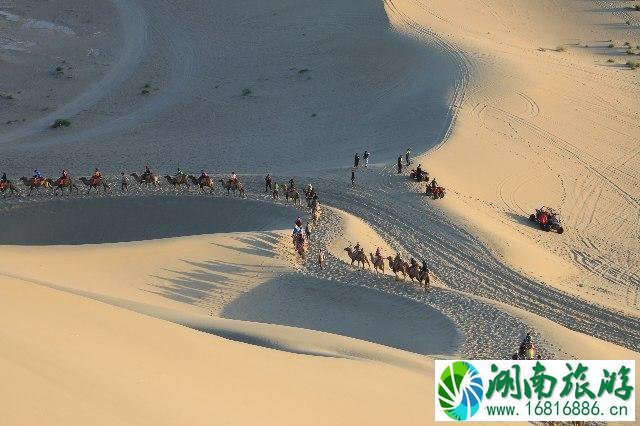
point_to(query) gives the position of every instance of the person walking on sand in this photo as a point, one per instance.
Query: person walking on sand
(275, 191)
(356, 160)
(365, 157)
(267, 183)
(407, 156)
(307, 231)
(353, 178)
(124, 182)
(400, 164)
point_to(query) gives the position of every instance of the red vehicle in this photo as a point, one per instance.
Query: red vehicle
(548, 220)
(438, 192)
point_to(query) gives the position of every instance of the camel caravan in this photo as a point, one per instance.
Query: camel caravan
(399, 267)
(301, 235)
(99, 183)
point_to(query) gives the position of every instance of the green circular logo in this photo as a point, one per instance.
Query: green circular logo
(460, 391)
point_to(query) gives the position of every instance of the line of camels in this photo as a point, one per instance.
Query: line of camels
(149, 180)
(398, 268)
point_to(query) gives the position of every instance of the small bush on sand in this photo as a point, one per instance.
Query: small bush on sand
(611, 45)
(630, 52)
(610, 60)
(61, 122)
(246, 91)
(633, 64)
(637, 7)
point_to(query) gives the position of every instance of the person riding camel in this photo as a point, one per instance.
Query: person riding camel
(378, 255)
(424, 268)
(358, 249)
(414, 263)
(4, 178)
(397, 260)
(234, 178)
(434, 184)
(291, 185)
(146, 175)
(204, 176)
(37, 176)
(63, 177)
(310, 190)
(179, 174)
(96, 176)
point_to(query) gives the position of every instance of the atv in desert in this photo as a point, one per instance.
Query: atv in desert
(437, 192)
(420, 176)
(548, 220)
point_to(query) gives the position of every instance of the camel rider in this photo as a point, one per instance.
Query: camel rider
(37, 175)
(179, 174)
(378, 255)
(434, 184)
(424, 268)
(4, 178)
(234, 178)
(204, 176)
(309, 189)
(291, 185)
(63, 177)
(397, 259)
(357, 249)
(96, 176)
(414, 263)
(147, 173)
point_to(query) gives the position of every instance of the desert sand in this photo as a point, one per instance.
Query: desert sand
(174, 307)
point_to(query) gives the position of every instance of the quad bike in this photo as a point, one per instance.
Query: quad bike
(438, 192)
(424, 176)
(548, 220)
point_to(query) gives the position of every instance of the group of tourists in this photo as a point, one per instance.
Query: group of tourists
(407, 159)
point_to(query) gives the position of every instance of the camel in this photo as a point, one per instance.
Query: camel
(178, 181)
(36, 183)
(95, 184)
(414, 274)
(62, 184)
(377, 264)
(308, 195)
(231, 186)
(291, 193)
(202, 183)
(8, 185)
(315, 214)
(402, 267)
(146, 179)
(359, 257)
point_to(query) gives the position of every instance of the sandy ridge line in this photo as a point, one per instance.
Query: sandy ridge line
(271, 336)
